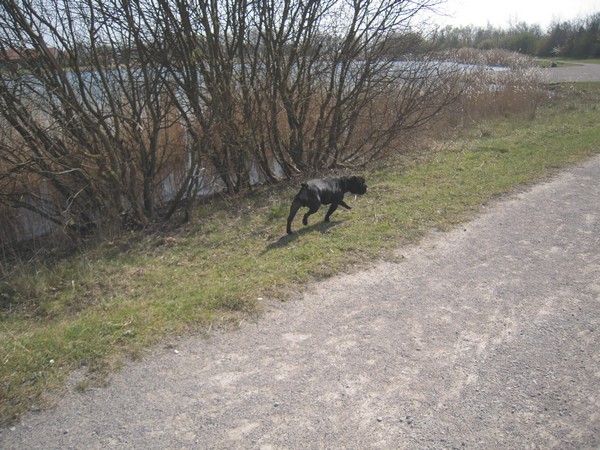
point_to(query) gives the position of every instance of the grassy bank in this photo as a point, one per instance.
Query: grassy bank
(113, 301)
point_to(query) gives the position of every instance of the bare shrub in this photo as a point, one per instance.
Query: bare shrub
(501, 83)
(146, 104)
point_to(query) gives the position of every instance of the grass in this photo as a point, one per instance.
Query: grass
(117, 299)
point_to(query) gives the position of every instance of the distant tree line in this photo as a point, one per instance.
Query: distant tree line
(572, 39)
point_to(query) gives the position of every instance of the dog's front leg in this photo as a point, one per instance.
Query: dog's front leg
(344, 205)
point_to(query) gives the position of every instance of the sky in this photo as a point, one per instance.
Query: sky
(503, 13)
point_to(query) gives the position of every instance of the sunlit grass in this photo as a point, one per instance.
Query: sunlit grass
(117, 299)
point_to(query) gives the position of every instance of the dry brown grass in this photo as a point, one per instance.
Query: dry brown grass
(95, 307)
(489, 93)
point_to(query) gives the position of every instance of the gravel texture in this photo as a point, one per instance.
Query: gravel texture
(579, 73)
(487, 336)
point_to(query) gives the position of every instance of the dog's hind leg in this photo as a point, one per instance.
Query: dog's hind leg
(332, 208)
(313, 209)
(293, 210)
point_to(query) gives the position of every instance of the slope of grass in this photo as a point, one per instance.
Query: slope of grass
(115, 300)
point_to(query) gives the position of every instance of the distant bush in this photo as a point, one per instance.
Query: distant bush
(502, 83)
(575, 39)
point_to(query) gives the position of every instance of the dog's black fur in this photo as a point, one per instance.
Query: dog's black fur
(327, 191)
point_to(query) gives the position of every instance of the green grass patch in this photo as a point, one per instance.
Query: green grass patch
(121, 297)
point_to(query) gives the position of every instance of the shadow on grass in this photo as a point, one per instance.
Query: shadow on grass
(287, 239)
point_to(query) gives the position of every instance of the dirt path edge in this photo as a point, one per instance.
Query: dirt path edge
(484, 337)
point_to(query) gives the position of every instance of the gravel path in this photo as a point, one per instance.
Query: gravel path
(580, 72)
(484, 337)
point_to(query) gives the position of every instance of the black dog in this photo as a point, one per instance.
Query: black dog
(328, 191)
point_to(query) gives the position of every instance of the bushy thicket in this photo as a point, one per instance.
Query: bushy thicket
(120, 111)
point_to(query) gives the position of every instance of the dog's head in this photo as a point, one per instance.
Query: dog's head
(356, 185)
